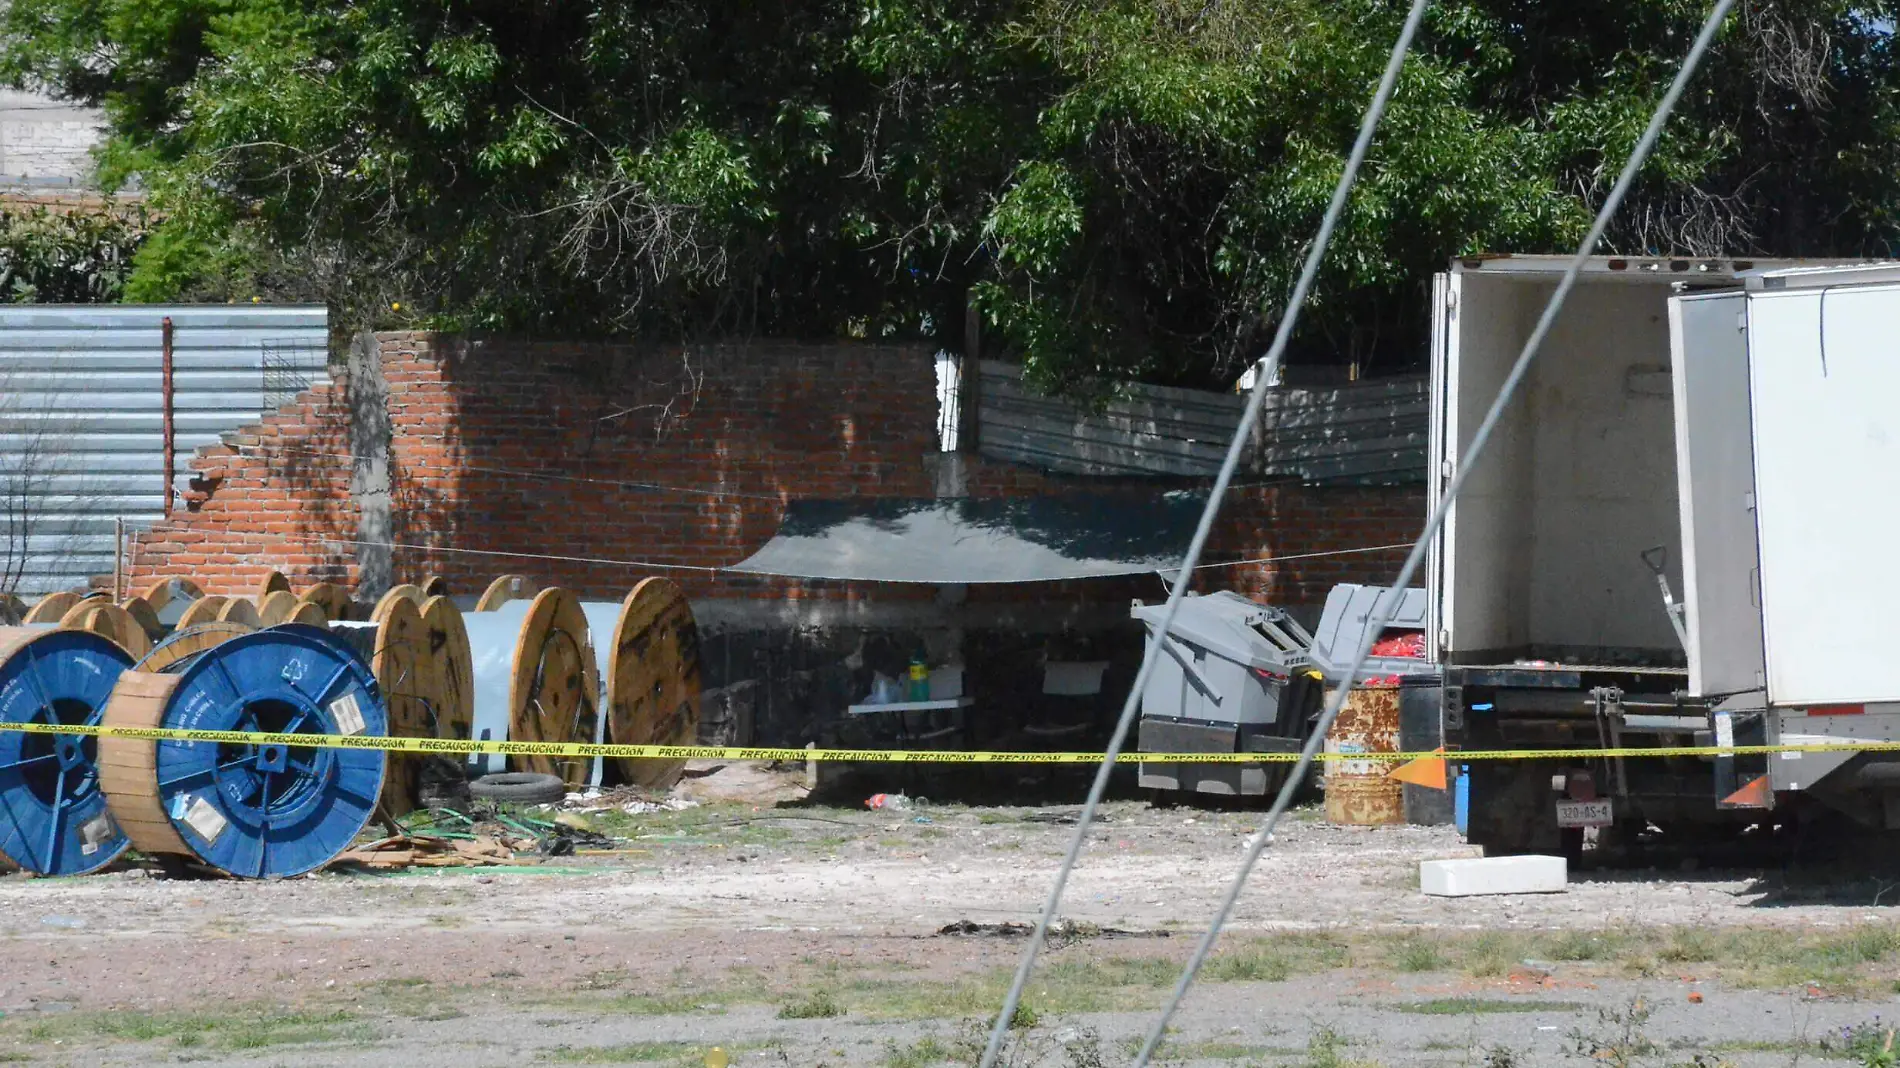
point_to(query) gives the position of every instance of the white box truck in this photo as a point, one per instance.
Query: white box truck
(1726, 430)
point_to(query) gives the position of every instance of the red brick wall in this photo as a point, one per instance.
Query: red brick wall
(607, 453)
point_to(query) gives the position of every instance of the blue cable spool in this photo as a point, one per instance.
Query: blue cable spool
(255, 811)
(53, 816)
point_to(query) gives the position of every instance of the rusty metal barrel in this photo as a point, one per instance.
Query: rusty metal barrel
(1358, 791)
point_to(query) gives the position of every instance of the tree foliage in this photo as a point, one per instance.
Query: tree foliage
(79, 256)
(1127, 186)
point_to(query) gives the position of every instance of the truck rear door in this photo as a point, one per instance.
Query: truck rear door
(1824, 367)
(1715, 473)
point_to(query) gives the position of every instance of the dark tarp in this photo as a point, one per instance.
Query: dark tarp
(970, 540)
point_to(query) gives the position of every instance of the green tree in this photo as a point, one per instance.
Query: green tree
(1126, 185)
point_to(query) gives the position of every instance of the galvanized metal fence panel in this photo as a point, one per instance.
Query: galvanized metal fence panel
(82, 416)
(1368, 432)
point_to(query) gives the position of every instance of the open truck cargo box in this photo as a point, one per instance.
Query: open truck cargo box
(1541, 557)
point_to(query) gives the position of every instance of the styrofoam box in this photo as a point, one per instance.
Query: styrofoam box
(1473, 876)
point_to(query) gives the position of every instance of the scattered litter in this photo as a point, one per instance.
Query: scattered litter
(1063, 817)
(920, 819)
(671, 804)
(1059, 931)
(896, 802)
(55, 920)
(415, 851)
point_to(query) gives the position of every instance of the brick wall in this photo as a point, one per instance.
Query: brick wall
(599, 454)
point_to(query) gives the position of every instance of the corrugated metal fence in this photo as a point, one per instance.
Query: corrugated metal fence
(1371, 432)
(82, 409)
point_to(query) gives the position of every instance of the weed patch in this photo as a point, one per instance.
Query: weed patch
(1481, 1006)
(818, 1005)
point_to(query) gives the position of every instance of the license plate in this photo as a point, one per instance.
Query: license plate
(1585, 814)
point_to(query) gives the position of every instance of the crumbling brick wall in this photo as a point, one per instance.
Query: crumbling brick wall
(600, 462)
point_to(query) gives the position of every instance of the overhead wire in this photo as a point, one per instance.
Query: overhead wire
(297, 452)
(602, 561)
(1385, 606)
(1256, 400)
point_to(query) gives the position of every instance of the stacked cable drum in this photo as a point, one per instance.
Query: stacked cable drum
(533, 676)
(530, 664)
(255, 811)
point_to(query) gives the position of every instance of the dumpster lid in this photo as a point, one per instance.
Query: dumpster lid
(979, 540)
(1343, 622)
(1246, 632)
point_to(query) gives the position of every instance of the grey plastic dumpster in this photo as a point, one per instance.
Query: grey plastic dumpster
(1343, 623)
(1342, 626)
(1231, 676)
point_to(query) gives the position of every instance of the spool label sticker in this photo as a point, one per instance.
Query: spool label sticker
(348, 714)
(204, 818)
(94, 833)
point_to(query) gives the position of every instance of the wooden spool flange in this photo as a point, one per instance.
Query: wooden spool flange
(652, 679)
(203, 610)
(108, 620)
(277, 607)
(506, 588)
(333, 599)
(452, 688)
(50, 608)
(272, 582)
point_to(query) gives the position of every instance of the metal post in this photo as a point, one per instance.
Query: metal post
(118, 559)
(165, 387)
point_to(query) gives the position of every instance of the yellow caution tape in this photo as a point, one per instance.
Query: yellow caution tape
(895, 756)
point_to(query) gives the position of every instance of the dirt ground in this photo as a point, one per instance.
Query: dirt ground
(791, 933)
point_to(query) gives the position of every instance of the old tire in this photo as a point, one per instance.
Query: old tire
(519, 787)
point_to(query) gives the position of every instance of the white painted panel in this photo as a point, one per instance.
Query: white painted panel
(1444, 293)
(1486, 562)
(1715, 478)
(1604, 474)
(1825, 377)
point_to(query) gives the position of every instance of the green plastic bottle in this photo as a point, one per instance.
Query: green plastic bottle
(919, 678)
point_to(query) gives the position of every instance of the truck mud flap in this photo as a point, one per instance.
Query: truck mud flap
(1741, 781)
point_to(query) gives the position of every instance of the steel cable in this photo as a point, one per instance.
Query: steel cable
(1384, 607)
(1342, 193)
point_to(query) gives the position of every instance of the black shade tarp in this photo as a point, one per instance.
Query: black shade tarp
(980, 540)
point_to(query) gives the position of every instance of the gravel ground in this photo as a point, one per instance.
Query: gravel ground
(723, 924)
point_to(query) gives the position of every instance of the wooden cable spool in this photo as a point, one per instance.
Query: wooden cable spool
(534, 680)
(309, 614)
(647, 651)
(163, 592)
(272, 582)
(108, 620)
(277, 607)
(239, 610)
(506, 588)
(435, 586)
(143, 614)
(256, 811)
(396, 650)
(402, 592)
(203, 610)
(189, 641)
(50, 608)
(452, 687)
(332, 598)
